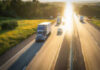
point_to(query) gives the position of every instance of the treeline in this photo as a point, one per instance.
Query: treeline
(30, 9)
(88, 10)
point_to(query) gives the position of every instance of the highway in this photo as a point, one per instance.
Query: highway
(89, 38)
(47, 56)
(77, 48)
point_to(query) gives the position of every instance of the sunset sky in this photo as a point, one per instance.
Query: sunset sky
(63, 0)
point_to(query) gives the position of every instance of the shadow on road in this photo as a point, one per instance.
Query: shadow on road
(63, 57)
(26, 57)
(82, 22)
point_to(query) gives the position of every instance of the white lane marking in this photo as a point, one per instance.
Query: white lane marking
(71, 49)
(71, 56)
(24, 68)
(17, 55)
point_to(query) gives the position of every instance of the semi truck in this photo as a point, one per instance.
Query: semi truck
(58, 20)
(43, 31)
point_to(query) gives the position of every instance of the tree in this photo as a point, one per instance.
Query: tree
(16, 6)
(16, 3)
(35, 0)
(5, 7)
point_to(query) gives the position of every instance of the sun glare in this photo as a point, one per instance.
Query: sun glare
(68, 17)
(68, 10)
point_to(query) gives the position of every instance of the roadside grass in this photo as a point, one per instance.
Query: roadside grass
(95, 21)
(9, 39)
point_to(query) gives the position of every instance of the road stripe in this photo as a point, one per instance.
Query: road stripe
(71, 56)
(71, 49)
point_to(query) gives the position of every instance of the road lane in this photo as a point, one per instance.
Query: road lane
(93, 31)
(78, 59)
(63, 59)
(90, 48)
(26, 57)
(8, 63)
(48, 53)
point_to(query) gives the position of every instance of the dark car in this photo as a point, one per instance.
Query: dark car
(59, 31)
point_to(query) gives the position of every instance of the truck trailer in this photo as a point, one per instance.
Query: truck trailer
(58, 20)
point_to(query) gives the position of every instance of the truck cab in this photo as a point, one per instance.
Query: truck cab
(41, 36)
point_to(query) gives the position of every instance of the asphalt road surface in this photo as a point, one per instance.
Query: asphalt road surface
(77, 48)
(90, 44)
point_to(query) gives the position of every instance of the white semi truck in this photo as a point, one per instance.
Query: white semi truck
(43, 31)
(58, 20)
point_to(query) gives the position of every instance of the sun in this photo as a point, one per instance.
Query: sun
(68, 17)
(68, 9)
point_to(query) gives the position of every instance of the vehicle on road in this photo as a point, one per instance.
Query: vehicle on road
(43, 31)
(58, 20)
(59, 31)
(81, 19)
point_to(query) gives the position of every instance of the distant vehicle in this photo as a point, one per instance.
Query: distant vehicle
(81, 19)
(43, 31)
(59, 31)
(63, 20)
(58, 20)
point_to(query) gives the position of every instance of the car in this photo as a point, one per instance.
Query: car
(81, 19)
(59, 31)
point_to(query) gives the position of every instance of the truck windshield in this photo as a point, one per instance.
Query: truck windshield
(43, 33)
(41, 27)
(40, 32)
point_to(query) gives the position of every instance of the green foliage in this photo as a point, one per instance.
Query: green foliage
(18, 8)
(88, 10)
(8, 25)
(95, 21)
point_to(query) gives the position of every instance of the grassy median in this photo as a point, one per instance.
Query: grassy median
(10, 38)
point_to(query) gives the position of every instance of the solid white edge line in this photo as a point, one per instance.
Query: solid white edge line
(71, 49)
